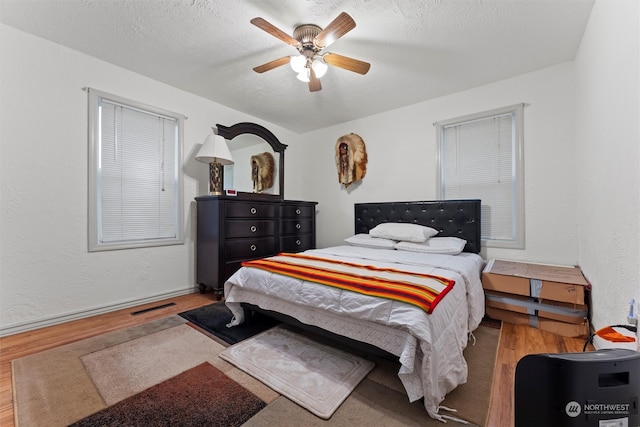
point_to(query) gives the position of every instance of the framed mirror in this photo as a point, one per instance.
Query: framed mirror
(246, 140)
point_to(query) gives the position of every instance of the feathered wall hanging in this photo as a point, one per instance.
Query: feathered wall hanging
(262, 166)
(351, 159)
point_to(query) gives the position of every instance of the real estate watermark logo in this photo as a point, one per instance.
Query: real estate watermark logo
(573, 409)
(607, 408)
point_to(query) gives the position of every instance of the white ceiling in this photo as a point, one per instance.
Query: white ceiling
(418, 50)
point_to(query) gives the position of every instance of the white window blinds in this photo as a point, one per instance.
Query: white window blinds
(136, 175)
(480, 159)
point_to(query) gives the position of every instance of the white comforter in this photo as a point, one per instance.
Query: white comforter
(429, 346)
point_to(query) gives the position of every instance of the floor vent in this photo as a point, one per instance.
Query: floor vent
(152, 308)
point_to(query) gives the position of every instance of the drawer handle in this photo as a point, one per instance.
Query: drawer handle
(298, 211)
(254, 210)
(298, 242)
(298, 226)
(253, 248)
(253, 228)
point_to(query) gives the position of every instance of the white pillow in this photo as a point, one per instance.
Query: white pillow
(403, 231)
(435, 245)
(366, 241)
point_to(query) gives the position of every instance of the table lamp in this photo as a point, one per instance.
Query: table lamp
(215, 152)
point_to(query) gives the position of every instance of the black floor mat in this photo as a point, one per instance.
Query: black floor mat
(214, 318)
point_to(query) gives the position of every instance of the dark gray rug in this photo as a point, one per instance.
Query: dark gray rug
(214, 318)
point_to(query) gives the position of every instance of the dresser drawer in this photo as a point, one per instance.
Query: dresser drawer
(296, 211)
(250, 210)
(296, 243)
(294, 226)
(250, 248)
(249, 228)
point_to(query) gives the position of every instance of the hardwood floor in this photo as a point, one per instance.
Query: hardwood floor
(23, 344)
(515, 342)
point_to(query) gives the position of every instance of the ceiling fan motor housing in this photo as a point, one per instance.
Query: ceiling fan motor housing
(305, 34)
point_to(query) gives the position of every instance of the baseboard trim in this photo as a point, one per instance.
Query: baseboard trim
(81, 314)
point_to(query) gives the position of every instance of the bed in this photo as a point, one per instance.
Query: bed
(428, 345)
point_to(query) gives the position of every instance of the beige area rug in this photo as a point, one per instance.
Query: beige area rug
(53, 388)
(317, 377)
(380, 399)
(133, 366)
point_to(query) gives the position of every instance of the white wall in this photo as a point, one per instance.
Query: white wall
(401, 146)
(46, 271)
(582, 176)
(608, 153)
(582, 160)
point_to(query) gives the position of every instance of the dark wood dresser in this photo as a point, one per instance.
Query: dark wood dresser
(235, 229)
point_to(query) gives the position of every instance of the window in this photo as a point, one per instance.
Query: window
(480, 157)
(135, 175)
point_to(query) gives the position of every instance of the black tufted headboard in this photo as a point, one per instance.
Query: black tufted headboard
(457, 218)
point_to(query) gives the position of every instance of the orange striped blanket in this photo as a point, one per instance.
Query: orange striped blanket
(421, 290)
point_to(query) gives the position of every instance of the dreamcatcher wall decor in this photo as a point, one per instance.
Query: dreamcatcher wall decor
(351, 159)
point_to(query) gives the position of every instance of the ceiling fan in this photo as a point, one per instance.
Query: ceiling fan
(310, 40)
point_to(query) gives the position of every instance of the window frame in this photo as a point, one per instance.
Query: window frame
(517, 169)
(95, 98)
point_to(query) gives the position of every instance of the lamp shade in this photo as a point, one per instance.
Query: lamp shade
(215, 149)
(319, 67)
(298, 63)
(303, 75)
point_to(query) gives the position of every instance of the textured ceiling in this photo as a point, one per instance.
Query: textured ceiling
(418, 50)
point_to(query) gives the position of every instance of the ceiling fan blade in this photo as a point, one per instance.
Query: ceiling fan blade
(272, 64)
(336, 29)
(274, 31)
(347, 63)
(314, 82)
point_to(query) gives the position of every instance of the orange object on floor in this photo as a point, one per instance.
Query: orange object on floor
(610, 334)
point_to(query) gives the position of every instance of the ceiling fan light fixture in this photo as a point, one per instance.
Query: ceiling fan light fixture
(298, 63)
(303, 75)
(319, 67)
(309, 40)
